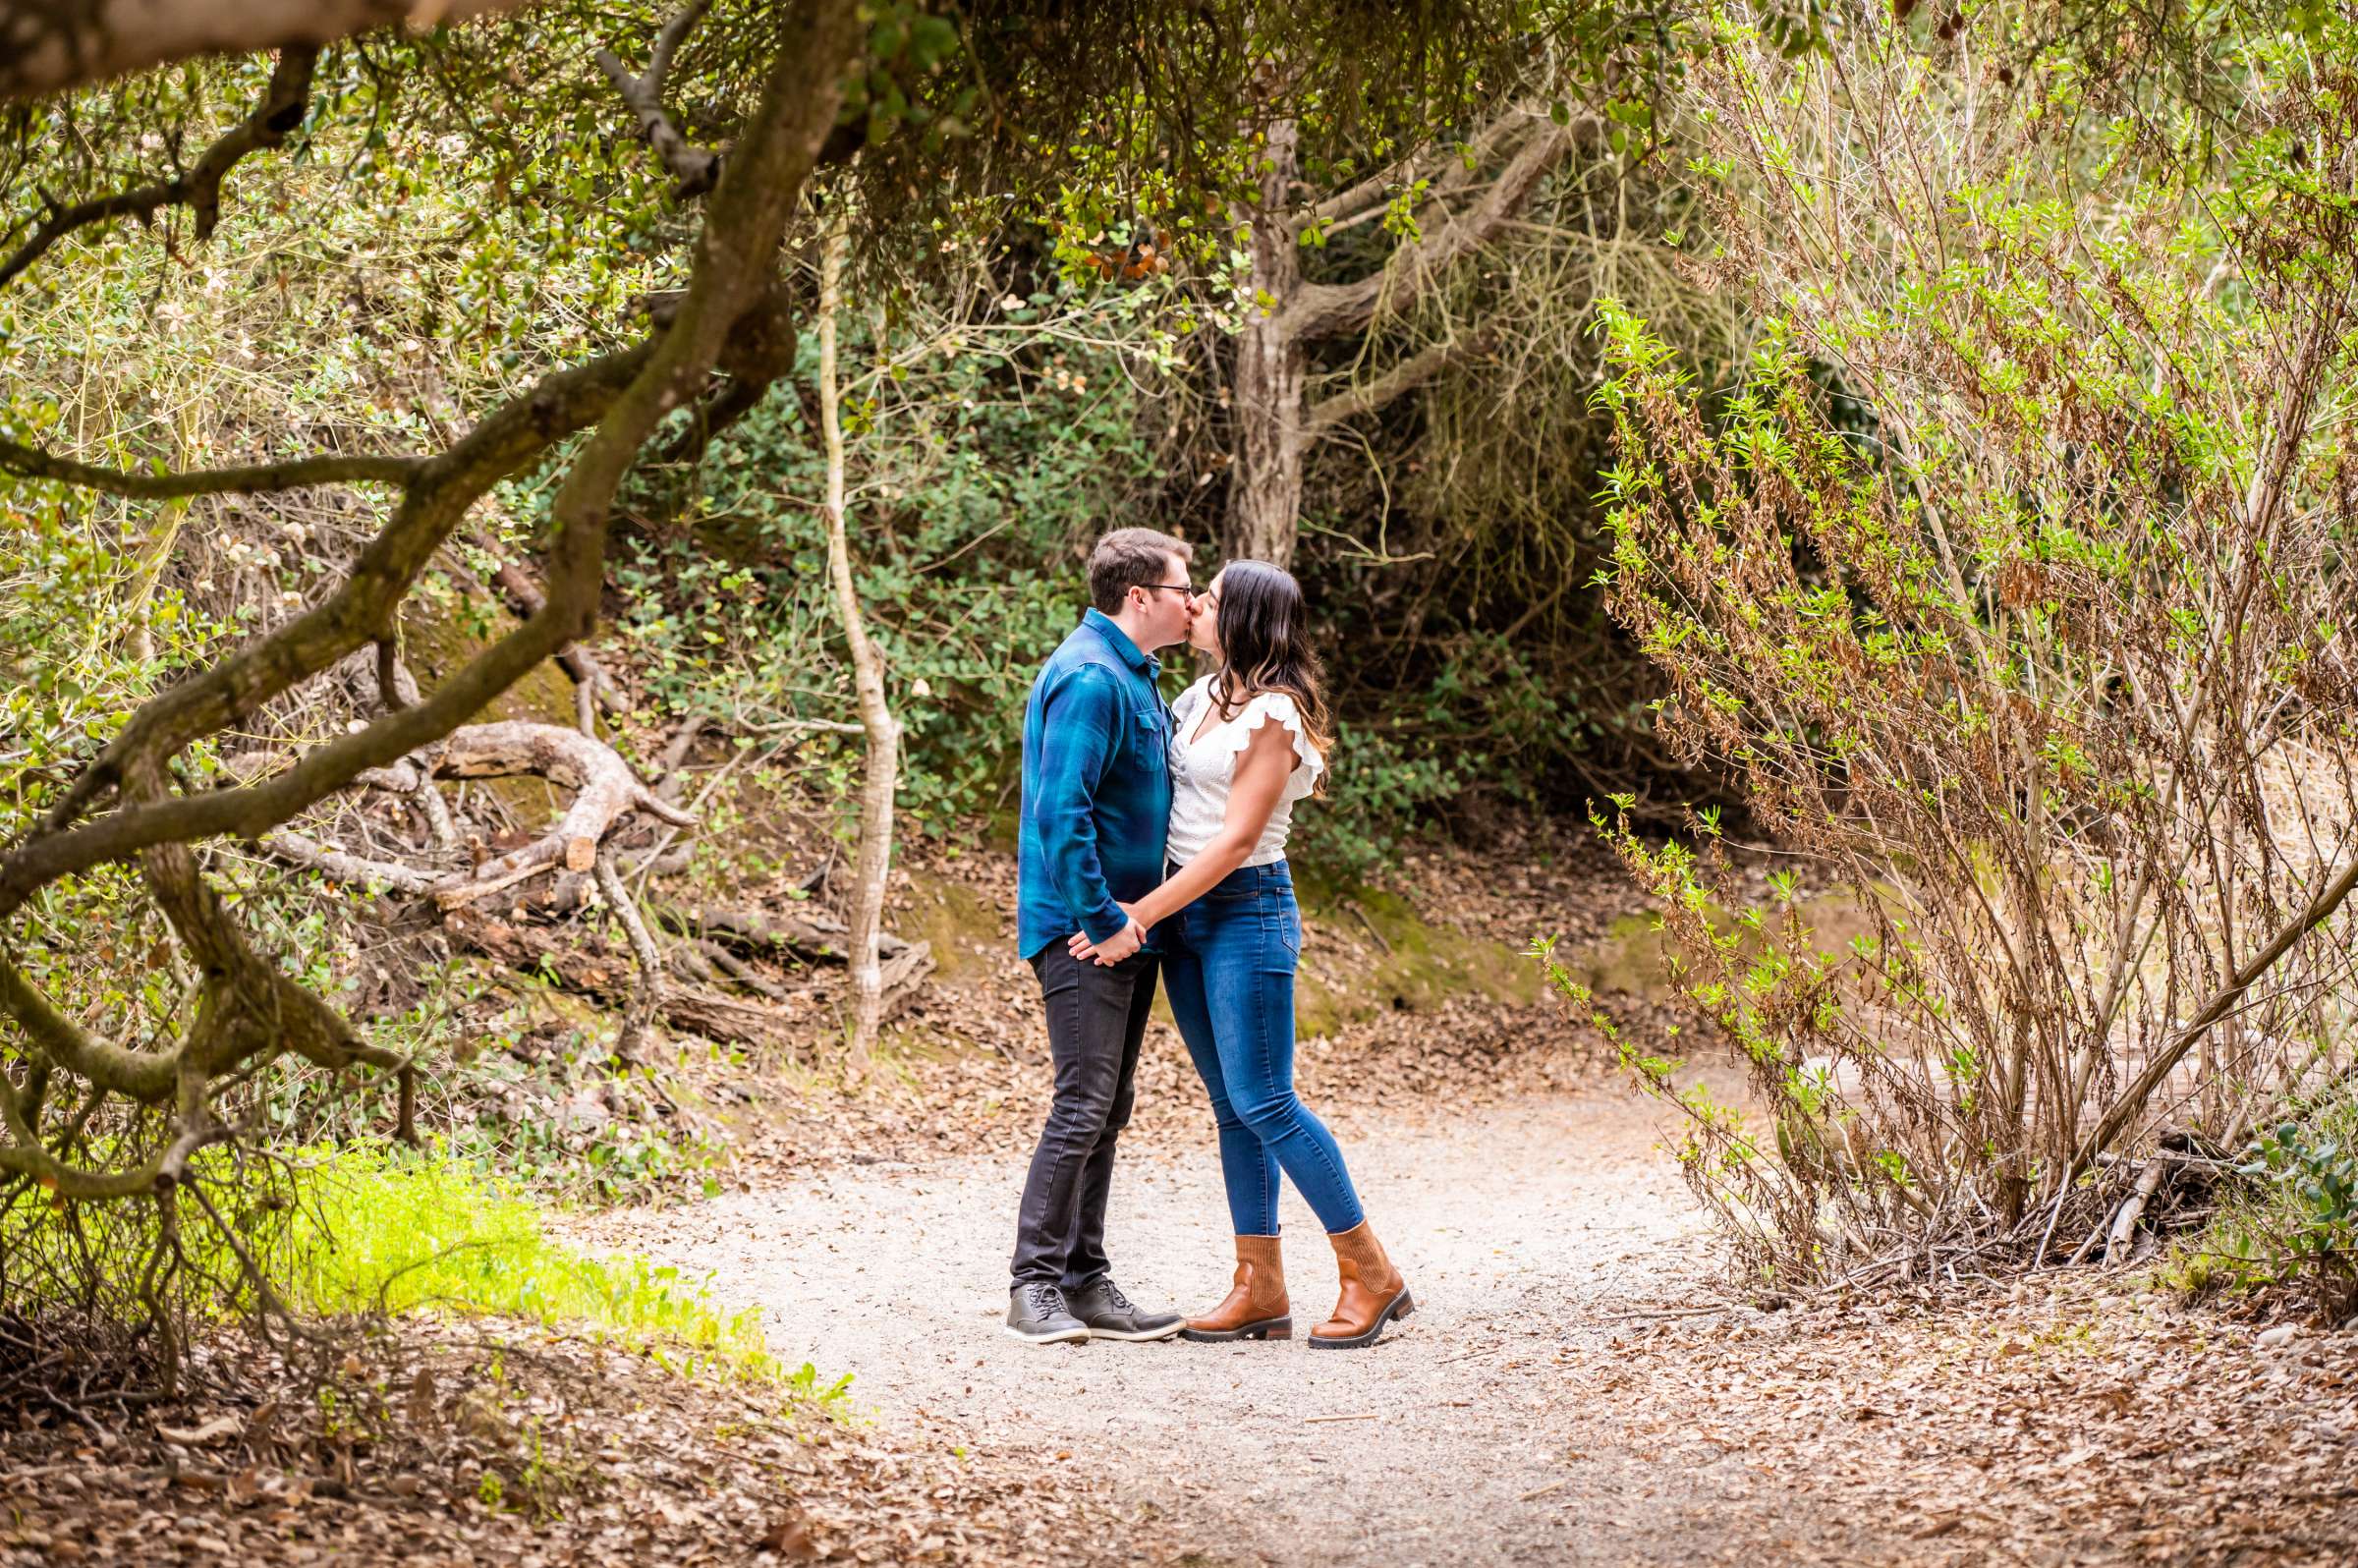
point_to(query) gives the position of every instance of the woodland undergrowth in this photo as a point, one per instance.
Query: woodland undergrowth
(2010, 582)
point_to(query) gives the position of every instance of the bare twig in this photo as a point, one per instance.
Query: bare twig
(694, 168)
(646, 997)
(284, 103)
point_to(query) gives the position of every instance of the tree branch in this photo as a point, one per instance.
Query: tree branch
(646, 997)
(1409, 374)
(302, 849)
(358, 612)
(261, 478)
(604, 791)
(284, 103)
(46, 46)
(2131, 1100)
(694, 167)
(734, 254)
(1375, 191)
(144, 1076)
(1323, 309)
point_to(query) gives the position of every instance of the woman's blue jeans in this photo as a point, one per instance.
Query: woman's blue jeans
(1228, 962)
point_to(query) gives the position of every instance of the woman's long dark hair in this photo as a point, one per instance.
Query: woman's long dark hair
(1264, 646)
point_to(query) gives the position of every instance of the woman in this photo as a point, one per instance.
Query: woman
(1248, 741)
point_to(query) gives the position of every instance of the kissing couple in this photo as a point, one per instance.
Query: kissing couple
(1153, 846)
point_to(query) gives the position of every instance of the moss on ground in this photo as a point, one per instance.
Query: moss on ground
(1633, 956)
(961, 923)
(439, 636)
(1419, 964)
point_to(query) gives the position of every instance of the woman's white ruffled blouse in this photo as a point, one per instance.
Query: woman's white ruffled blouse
(1203, 770)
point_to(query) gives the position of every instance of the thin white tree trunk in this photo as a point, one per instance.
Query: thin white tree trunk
(875, 859)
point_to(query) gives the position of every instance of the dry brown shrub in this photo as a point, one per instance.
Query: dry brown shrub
(2013, 583)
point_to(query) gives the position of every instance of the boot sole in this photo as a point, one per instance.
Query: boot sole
(1266, 1328)
(1056, 1336)
(1138, 1336)
(1399, 1306)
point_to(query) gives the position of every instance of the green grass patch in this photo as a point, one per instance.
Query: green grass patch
(380, 1227)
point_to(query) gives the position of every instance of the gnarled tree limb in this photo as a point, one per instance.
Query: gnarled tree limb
(358, 612)
(1322, 310)
(694, 167)
(246, 1007)
(646, 997)
(605, 789)
(50, 45)
(1406, 376)
(284, 103)
(258, 479)
(144, 1076)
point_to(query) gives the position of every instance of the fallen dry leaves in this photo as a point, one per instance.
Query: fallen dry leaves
(450, 1447)
(2076, 1423)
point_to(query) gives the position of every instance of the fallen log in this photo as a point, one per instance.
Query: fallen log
(903, 974)
(720, 959)
(595, 968)
(605, 791)
(812, 935)
(2124, 1223)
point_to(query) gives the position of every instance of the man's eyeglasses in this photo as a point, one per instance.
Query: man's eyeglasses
(1188, 588)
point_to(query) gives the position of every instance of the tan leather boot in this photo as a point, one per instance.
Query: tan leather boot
(1257, 1308)
(1373, 1293)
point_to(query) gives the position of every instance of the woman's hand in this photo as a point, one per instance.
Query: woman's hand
(1268, 760)
(1080, 946)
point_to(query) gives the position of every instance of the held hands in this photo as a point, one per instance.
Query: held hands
(1114, 948)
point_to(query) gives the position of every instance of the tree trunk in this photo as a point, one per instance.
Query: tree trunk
(1463, 211)
(874, 861)
(1264, 479)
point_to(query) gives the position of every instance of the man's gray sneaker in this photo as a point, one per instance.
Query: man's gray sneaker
(1036, 1312)
(1110, 1315)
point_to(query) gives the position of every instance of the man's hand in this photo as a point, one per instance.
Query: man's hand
(1114, 948)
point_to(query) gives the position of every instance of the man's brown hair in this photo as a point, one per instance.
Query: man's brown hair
(1129, 558)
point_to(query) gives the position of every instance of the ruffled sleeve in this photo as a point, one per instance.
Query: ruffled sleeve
(1278, 707)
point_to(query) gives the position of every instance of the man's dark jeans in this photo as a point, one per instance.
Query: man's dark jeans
(1097, 1018)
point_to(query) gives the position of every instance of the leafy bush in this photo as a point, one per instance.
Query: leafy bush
(981, 477)
(2046, 668)
(2295, 1223)
(1379, 789)
(2315, 1177)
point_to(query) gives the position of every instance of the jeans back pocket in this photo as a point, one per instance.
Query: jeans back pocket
(1285, 917)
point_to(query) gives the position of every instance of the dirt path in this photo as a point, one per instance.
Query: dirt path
(1519, 1227)
(1534, 1411)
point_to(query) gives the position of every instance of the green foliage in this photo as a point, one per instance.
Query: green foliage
(2313, 1175)
(1382, 789)
(2293, 1222)
(381, 1228)
(981, 473)
(2320, 1173)
(1933, 579)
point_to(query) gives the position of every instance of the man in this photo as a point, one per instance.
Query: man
(1097, 805)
